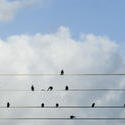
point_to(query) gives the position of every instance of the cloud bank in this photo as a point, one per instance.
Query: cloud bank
(8, 9)
(49, 53)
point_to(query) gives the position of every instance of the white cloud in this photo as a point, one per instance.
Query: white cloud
(50, 53)
(8, 9)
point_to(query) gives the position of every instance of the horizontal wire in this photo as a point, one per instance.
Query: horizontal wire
(38, 90)
(7, 118)
(30, 107)
(79, 74)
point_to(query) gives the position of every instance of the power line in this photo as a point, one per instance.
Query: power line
(54, 90)
(83, 119)
(75, 74)
(63, 107)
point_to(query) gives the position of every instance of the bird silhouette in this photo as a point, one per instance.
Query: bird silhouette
(32, 88)
(42, 105)
(72, 117)
(50, 88)
(57, 105)
(66, 88)
(93, 105)
(62, 72)
(8, 104)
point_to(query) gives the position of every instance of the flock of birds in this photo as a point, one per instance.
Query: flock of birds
(50, 88)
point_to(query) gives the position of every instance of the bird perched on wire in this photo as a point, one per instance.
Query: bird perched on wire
(42, 105)
(32, 88)
(50, 88)
(57, 105)
(62, 72)
(66, 88)
(8, 104)
(93, 105)
(72, 117)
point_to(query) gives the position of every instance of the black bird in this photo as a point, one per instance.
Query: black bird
(66, 88)
(50, 88)
(42, 105)
(8, 104)
(93, 105)
(57, 105)
(72, 117)
(62, 72)
(32, 88)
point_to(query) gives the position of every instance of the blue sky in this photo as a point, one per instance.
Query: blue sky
(100, 17)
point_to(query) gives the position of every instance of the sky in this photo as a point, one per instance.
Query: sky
(45, 36)
(101, 17)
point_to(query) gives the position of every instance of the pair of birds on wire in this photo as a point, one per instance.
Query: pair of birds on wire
(42, 105)
(51, 88)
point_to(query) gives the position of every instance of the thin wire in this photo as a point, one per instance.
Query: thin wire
(8, 118)
(70, 90)
(62, 107)
(82, 74)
